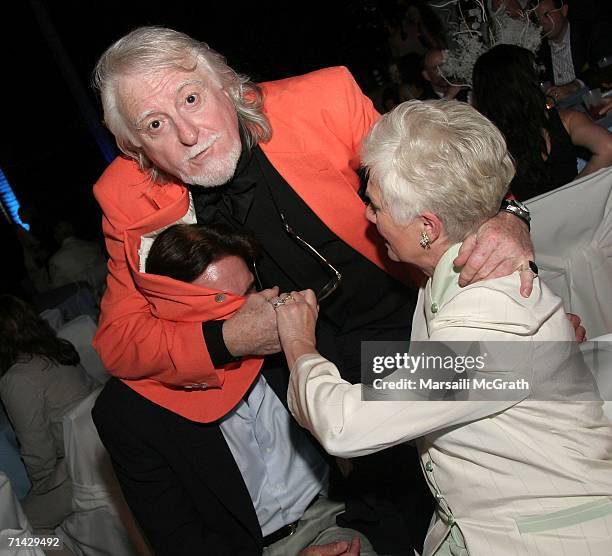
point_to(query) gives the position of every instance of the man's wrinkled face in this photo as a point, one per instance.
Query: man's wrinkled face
(552, 19)
(184, 122)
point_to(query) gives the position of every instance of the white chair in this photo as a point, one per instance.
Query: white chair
(572, 235)
(53, 317)
(80, 332)
(102, 524)
(13, 523)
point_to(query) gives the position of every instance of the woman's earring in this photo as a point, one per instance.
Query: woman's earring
(425, 242)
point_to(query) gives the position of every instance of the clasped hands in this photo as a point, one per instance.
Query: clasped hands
(268, 319)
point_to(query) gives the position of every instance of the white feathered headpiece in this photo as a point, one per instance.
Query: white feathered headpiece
(498, 28)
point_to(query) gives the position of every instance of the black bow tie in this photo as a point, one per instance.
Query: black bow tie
(233, 199)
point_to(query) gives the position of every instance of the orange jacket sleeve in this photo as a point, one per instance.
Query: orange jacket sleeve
(135, 338)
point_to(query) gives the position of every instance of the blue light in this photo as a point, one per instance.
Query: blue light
(10, 204)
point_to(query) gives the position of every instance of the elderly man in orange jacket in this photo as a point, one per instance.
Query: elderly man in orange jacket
(203, 143)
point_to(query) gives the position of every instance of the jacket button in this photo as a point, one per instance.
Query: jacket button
(220, 298)
(434, 307)
(429, 466)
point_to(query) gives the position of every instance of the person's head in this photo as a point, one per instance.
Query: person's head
(436, 167)
(212, 256)
(507, 75)
(25, 333)
(175, 106)
(552, 16)
(62, 230)
(506, 89)
(431, 70)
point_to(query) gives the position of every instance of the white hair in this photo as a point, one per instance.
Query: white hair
(147, 50)
(439, 156)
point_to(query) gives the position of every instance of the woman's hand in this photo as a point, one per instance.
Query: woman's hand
(606, 106)
(296, 317)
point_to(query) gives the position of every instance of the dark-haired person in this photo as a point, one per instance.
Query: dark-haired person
(506, 90)
(40, 379)
(267, 470)
(212, 256)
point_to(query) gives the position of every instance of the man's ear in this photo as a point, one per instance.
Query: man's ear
(425, 75)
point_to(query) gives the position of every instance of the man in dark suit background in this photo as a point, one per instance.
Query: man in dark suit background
(576, 36)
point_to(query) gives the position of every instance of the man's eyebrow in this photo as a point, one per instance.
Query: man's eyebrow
(184, 84)
(142, 117)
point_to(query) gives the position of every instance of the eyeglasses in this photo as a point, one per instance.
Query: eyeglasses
(257, 280)
(333, 284)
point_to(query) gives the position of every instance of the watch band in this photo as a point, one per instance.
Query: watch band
(518, 209)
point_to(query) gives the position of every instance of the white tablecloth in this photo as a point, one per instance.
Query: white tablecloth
(13, 522)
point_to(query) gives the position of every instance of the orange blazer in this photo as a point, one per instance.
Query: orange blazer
(150, 331)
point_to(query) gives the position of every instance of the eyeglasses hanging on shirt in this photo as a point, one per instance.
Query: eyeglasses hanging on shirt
(336, 277)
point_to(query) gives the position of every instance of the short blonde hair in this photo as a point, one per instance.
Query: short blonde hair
(439, 156)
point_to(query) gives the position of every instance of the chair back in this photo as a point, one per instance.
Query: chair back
(80, 332)
(572, 234)
(101, 523)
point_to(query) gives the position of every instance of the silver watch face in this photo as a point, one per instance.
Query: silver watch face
(521, 206)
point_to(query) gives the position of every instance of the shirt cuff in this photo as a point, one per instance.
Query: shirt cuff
(213, 338)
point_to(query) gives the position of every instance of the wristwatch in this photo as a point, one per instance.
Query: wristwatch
(518, 209)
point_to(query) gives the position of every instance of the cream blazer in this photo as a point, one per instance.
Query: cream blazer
(515, 478)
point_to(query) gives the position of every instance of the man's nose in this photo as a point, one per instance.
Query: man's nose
(187, 132)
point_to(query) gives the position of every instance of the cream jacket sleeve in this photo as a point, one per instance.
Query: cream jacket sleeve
(332, 409)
